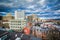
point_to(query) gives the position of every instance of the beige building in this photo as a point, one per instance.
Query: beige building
(8, 17)
(29, 18)
(32, 18)
(17, 24)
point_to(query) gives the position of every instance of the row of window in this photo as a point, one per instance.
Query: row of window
(19, 21)
(38, 30)
(17, 24)
(15, 27)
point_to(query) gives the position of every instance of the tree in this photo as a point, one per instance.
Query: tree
(37, 24)
(58, 23)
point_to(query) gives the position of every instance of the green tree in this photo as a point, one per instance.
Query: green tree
(58, 23)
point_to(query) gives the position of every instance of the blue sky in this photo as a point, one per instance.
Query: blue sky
(45, 9)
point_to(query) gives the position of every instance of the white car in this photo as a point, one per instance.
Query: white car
(18, 38)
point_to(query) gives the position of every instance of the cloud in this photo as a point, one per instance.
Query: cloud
(29, 0)
(58, 11)
(39, 7)
(49, 17)
(31, 6)
(25, 3)
(42, 2)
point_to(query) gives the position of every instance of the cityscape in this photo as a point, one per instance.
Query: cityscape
(30, 20)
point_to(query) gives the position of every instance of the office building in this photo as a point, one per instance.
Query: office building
(19, 14)
(17, 24)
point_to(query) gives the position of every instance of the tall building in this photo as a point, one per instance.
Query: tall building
(32, 18)
(17, 24)
(20, 14)
(29, 18)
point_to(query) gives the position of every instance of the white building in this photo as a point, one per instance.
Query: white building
(17, 24)
(20, 14)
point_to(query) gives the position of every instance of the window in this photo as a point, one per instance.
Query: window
(37, 29)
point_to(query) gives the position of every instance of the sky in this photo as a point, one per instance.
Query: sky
(44, 9)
